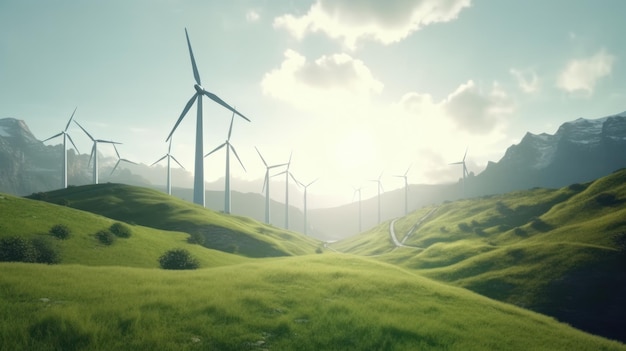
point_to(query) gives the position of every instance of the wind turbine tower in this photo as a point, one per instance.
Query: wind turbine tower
(229, 147)
(169, 168)
(266, 185)
(65, 137)
(286, 173)
(94, 151)
(380, 187)
(406, 190)
(306, 187)
(198, 187)
(465, 172)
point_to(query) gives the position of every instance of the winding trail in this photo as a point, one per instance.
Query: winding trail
(392, 232)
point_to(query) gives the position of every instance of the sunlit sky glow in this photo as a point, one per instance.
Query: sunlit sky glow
(353, 88)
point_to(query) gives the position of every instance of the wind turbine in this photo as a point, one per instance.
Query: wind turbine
(286, 173)
(169, 169)
(380, 187)
(198, 180)
(465, 173)
(65, 137)
(266, 185)
(119, 159)
(305, 193)
(94, 151)
(229, 147)
(358, 190)
(406, 190)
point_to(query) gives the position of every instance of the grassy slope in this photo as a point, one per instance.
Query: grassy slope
(158, 210)
(549, 250)
(315, 302)
(30, 218)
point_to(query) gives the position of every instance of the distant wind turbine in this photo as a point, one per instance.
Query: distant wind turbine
(120, 159)
(198, 187)
(286, 173)
(169, 168)
(266, 185)
(65, 137)
(465, 173)
(406, 190)
(229, 147)
(358, 190)
(380, 187)
(94, 151)
(306, 187)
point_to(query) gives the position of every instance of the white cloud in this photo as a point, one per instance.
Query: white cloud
(252, 16)
(583, 74)
(328, 81)
(527, 80)
(382, 21)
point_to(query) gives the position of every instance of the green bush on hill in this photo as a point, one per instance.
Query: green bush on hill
(19, 249)
(60, 231)
(178, 259)
(105, 237)
(120, 230)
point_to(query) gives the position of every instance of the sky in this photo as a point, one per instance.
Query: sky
(354, 88)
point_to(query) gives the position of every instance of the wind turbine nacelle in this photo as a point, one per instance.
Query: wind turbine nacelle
(198, 88)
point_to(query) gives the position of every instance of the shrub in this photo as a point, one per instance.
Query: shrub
(105, 237)
(16, 249)
(319, 250)
(196, 238)
(178, 259)
(60, 231)
(44, 251)
(464, 227)
(606, 199)
(120, 230)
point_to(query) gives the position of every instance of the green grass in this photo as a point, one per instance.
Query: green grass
(155, 209)
(30, 218)
(550, 250)
(315, 302)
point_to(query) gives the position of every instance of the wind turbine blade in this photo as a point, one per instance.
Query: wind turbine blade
(128, 161)
(70, 121)
(238, 159)
(311, 183)
(114, 167)
(52, 137)
(407, 170)
(265, 181)
(464, 155)
(295, 180)
(289, 163)
(217, 148)
(72, 141)
(159, 160)
(280, 165)
(230, 130)
(86, 132)
(223, 103)
(281, 173)
(456, 163)
(175, 160)
(196, 75)
(93, 149)
(182, 115)
(261, 156)
(117, 152)
(169, 148)
(380, 176)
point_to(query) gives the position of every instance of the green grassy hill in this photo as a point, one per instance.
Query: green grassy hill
(313, 302)
(155, 209)
(556, 251)
(33, 219)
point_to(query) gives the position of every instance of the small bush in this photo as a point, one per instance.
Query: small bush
(319, 250)
(16, 249)
(45, 251)
(60, 231)
(464, 227)
(606, 199)
(120, 230)
(105, 237)
(178, 259)
(196, 238)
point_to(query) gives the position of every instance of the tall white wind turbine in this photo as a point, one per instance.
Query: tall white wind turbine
(198, 186)
(358, 190)
(266, 184)
(65, 137)
(120, 159)
(306, 187)
(286, 173)
(380, 187)
(94, 151)
(465, 172)
(170, 157)
(229, 147)
(406, 190)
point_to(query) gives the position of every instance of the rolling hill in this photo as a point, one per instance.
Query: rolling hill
(560, 252)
